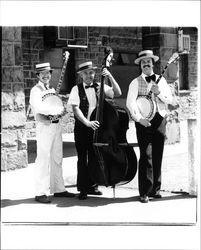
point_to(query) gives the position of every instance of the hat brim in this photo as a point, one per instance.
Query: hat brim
(155, 58)
(39, 71)
(82, 70)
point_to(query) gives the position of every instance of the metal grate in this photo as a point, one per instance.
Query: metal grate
(186, 42)
(183, 42)
(65, 33)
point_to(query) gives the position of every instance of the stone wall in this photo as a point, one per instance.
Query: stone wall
(192, 56)
(188, 104)
(13, 143)
(162, 40)
(32, 53)
(119, 38)
(67, 121)
(23, 47)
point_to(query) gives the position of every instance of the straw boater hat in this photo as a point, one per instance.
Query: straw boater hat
(146, 54)
(43, 67)
(85, 66)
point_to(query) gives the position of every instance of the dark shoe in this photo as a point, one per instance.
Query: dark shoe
(144, 199)
(156, 196)
(64, 194)
(94, 192)
(82, 196)
(42, 199)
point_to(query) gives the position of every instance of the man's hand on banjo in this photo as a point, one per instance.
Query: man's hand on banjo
(155, 89)
(144, 122)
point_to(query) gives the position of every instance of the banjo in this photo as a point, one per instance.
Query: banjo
(52, 99)
(146, 105)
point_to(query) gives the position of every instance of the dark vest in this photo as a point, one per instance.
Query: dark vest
(84, 104)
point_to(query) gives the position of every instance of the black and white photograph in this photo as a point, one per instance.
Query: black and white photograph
(100, 125)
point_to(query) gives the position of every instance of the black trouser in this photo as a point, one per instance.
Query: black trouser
(83, 144)
(151, 145)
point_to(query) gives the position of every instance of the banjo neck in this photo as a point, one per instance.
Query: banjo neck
(163, 72)
(159, 78)
(173, 58)
(62, 73)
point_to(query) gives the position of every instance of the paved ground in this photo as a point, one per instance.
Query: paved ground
(100, 222)
(17, 202)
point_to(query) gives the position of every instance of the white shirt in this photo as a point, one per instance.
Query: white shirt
(37, 104)
(74, 98)
(165, 96)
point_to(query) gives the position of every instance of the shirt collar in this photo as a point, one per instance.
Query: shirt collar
(84, 84)
(42, 85)
(143, 75)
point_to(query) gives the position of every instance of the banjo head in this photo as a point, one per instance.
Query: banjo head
(54, 103)
(146, 106)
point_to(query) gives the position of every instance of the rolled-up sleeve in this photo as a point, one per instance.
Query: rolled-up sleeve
(165, 91)
(74, 97)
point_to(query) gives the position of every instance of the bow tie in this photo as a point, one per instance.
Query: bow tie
(149, 78)
(89, 86)
(46, 87)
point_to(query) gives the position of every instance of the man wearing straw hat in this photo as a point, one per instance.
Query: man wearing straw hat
(83, 98)
(150, 132)
(48, 164)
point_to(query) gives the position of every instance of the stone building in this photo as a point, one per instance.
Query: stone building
(23, 47)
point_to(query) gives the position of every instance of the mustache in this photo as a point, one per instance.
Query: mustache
(147, 65)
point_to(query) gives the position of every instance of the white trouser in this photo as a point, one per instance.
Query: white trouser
(48, 165)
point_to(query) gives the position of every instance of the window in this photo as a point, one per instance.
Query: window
(65, 33)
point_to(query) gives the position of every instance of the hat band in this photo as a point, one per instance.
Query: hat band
(43, 68)
(145, 54)
(85, 67)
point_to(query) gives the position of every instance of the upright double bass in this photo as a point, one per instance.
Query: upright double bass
(114, 160)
